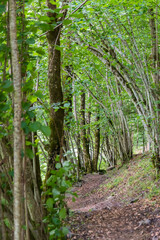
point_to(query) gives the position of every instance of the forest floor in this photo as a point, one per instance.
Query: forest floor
(123, 204)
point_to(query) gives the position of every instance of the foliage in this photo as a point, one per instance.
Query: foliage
(58, 185)
(127, 106)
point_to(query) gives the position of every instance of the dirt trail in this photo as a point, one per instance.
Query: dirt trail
(99, 216)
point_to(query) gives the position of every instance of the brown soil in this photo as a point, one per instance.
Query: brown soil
(96, 215)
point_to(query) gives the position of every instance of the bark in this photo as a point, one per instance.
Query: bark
(97, 144)
(77, 134)
(154, 38)
(156, 78)
(8, 40)
(109, 152)
(68, 117)
(17, 120)
(124, 136)
(86, 155)
(88, 121)
(55, 91)
(36, 162)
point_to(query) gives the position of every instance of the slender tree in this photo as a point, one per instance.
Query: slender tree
(85, 144)
(17, 120)
(97, 142)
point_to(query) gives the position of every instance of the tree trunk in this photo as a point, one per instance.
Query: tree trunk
(97, 144)
(77, 134)
(55, 90)
(156, 78)
(86, 155)
(17, 120)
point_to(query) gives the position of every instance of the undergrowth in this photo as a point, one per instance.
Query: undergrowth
(134, 179)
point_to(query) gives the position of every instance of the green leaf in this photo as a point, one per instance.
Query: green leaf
(26, 105)
(66, 164)
(8, 86)
(4, 107)
(51, 180)
(24, 227)
(34, 126)
(31, 114)
(53, 2)
(27, 86)
(28, 143)
(32, 98)
(65, 230)
(4, 202)
(77, 15)
(56, 221)
(55, 192)
(25, 127)
(50, 202)
(65, 7)
(57, 47)
(58, 165)
(57, 158)
(62, 213)
(67, 22)
(30, 41)
(74, 194)
(45, 130)
(44, 18)
(52, 233)
(7, 223)
(66, 105)
(11, 173)
(39, 94)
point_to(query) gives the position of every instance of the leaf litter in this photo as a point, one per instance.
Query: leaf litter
(109, 215)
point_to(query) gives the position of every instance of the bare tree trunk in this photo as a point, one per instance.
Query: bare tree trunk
(155, 54)
(97, 144)
(17, 120)
(156, 78)
(77, 134)
(86, 155)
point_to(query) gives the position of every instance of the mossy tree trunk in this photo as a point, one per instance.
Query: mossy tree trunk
(55, 90)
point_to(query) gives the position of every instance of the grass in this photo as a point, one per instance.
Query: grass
(113, 183)
(134, 179)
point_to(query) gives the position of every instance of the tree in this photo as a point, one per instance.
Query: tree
(17, 121)
(116, 42)
(103, 88)
(55, 89)
(85, 142)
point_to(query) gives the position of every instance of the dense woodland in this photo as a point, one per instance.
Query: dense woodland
(79, 93)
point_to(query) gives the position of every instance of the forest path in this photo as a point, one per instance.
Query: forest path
(98, 214)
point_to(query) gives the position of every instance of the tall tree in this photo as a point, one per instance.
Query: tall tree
(17, 120)
(55, 88)
(97, 142)
(84, 138)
